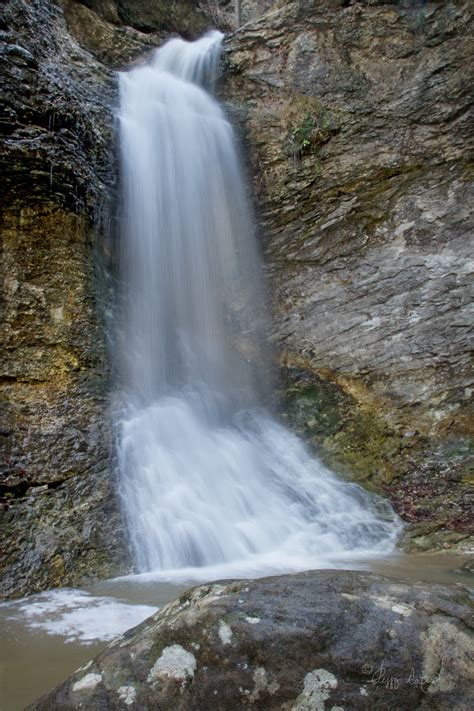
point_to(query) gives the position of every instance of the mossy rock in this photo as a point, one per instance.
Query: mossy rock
(352, 440)
(427, 479)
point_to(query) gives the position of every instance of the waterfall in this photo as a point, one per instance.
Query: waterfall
(212, 485)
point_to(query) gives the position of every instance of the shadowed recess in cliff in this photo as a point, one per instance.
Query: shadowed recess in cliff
(212, 485)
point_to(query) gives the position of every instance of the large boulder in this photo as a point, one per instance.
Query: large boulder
(307, 642)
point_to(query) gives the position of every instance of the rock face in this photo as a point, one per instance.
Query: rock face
(314, 641)
(60, 519)
(117, 31)
(357, 119)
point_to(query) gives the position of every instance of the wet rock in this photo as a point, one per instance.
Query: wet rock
(120, 31)
(58, 183)
(318, 640)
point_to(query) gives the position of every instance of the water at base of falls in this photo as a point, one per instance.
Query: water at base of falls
(238, 499)
(212, 485)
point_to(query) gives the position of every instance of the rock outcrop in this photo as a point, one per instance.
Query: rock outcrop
(116, 32)
(357, 118)
(314, 641)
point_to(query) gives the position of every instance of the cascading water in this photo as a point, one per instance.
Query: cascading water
(212, 485)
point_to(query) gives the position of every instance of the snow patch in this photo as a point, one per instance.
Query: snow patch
(78, 616)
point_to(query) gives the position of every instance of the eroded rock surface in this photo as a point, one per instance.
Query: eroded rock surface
(314, 641)
(358, 119)
(118, 32)
(60, 520)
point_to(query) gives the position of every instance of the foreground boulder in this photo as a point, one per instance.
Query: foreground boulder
(318, 640)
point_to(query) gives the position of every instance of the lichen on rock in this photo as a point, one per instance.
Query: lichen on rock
(323, 642)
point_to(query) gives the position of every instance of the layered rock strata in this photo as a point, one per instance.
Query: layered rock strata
(357, 118)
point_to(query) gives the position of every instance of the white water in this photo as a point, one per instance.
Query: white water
(212, 485)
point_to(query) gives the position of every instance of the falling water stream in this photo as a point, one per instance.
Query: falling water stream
(213, 486)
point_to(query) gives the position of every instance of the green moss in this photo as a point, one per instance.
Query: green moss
(427, 478)
(352, 440)
(315, 410)
(366, 449)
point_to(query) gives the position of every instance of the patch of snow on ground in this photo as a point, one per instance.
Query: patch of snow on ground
(78, 616)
